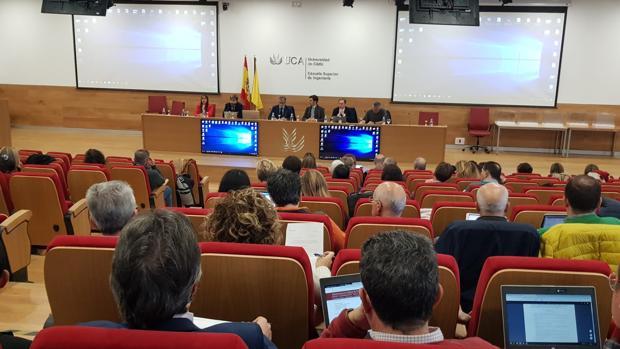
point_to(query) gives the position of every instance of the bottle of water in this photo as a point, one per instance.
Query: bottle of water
(431, 123)
(163, 111)
(272, 115)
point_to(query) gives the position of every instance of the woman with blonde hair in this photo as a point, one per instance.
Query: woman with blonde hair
(309, 161)
(9, 160)
(244, 216)
(264, 169)
(467, 169)
(313, 184)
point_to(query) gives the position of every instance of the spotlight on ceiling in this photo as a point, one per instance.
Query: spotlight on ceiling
(348, 3)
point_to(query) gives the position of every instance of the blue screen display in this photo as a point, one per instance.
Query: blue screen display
(337, 140)
(229, 137)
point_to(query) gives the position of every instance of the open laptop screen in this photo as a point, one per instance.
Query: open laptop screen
(552, 219)
(550, 317)
(339, 293)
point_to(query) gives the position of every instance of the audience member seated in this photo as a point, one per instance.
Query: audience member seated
(234, 180)
(341, 172)
(582, 197)
(614, 341)
(284, 187)
(390, 161)
(472, 242)
(309, 161)
(342, 113)
(265, 168)
(292, 163)
(392, 173)
(9, 160)
(349, 160)
(443, 173)
(491, 173)
(590, 168)
(142, 157)
(233, 107)
(204, 108)
(400, 276)
(155, 274)
(39, 159)
(388, 200)
(94, 156)
(378, 161)
(7, 340)
(467, 169)
(313, 184)
(419, 164)
(112, 205)
(245, 216)
(333, 165)
(525, 168)
(557, 171)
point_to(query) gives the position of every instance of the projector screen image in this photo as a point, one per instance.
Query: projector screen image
(148, 47)
(513, 58)
(229, 137)
(337, 140)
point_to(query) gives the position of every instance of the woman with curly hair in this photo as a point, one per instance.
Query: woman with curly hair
(244, 216)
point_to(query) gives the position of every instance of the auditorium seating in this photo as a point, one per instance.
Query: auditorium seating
(533, 214)
(51, 168)
(82, 177)
(177, 108)
(77, 279)
(350, 183)
(242, 281)
(463, 183)
(422, 188)
(333, 207)
(342, 194)
(518, 199)
(212, 199)
(361, 228)
(519, 186)
(137, 178)
(197, 217)
(445, 213)
(157, 105)
(363, 208)
(6, 203)
(52, 214)
(543, 194)
(328, 235)
(478, 126)
(486, 316)
(81, 337)
(63, 158)
(28, 152)
(431, 197)
(426, 118)
(347, 261)
(557, 200)
(201, 184)
(169, 172)
(413, 181)
(16, 243)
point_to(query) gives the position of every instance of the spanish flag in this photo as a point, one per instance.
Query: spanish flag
(245, 86)
(256, 100)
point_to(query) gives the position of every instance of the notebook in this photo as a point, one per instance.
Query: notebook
(339, 293)
(550, 317)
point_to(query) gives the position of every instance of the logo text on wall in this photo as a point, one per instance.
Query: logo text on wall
(315, 68)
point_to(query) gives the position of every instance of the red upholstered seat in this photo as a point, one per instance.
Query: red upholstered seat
(430, 197)
(425, 117)
(177, 107)
(533, 214)
(80, 337)
(326, 205)
(6, 204)
(62, 199)
(310, 217)
(81, 177)
(360, 229)
(344, 257)
(157, 104)
(28, 152)
(56, 167)
(191, 211)
(146, 196)
(444, 213)
(83, 241)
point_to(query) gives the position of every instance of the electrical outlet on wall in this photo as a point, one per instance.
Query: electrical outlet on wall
(459, 141)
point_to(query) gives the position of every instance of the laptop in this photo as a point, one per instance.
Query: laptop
(339, 293)
(550, 317)
(549, 220)
(472, 216)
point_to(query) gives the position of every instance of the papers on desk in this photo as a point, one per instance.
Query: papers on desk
(577, 125)
(604, 126)
(528, 124)
(203, 323)
(308, 235)
(555, 125)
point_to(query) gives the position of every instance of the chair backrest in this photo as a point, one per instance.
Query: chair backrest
(444, 213)
(77, 279)
(169, 172)
(341, 194)
(557, 200)
(213, 198)
(533, 214)
(177, 108)
(479, 119)
(544, 194)
(361, 228)
(347, 183)
(333, 207)
(28, 152)
(413, 181)
(347, 261)
(82, 177)
(519, 186)
(422, 188)
(486, 321)
(431, 197)
(363, 208)
(518, 199)
(157, 104)
(191, 168)
(6, 203)
(328, 234)
(251, 114)
(138, 180)
(463, 183)
(425, 117)
(40, 193)
(15, 239)
(244, 290)
(51, 168)
(80, 337)
(197, 217)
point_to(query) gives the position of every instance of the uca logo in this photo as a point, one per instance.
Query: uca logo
(290, 141)
(276, 59)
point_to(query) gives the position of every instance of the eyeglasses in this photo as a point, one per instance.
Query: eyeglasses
(613, 282)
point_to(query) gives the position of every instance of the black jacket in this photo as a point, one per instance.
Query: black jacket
(234, 107)
(289, 113)
(350, 113)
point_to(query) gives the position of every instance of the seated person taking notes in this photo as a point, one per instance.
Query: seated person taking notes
(377, 115)
(314, 112)
(234, 107)
(204, 108)
(342, 113)
(282, 111)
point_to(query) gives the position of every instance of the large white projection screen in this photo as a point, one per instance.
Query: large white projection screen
(149, 47)
(511, 59)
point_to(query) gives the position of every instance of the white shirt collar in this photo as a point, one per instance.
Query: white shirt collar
(434, 335)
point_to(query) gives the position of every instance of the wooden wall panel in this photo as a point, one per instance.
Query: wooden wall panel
(84, 108)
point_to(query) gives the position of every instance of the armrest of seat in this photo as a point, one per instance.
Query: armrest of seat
(16, 241)
(79, 217)
(157, 196)
(204, 189)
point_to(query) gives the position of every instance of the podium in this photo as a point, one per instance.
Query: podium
(5, 124)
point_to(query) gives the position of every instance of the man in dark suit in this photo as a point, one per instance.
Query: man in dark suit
(314, 112)
(155, 275)
(377, 115)
(282, 111)
(342, 113)
(472, 242)
(234, 107)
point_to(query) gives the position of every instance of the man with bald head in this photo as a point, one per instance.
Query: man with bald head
(388, 200)
(472, 242)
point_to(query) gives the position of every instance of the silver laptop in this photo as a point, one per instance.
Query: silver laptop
(550, 317)
(339, 293)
